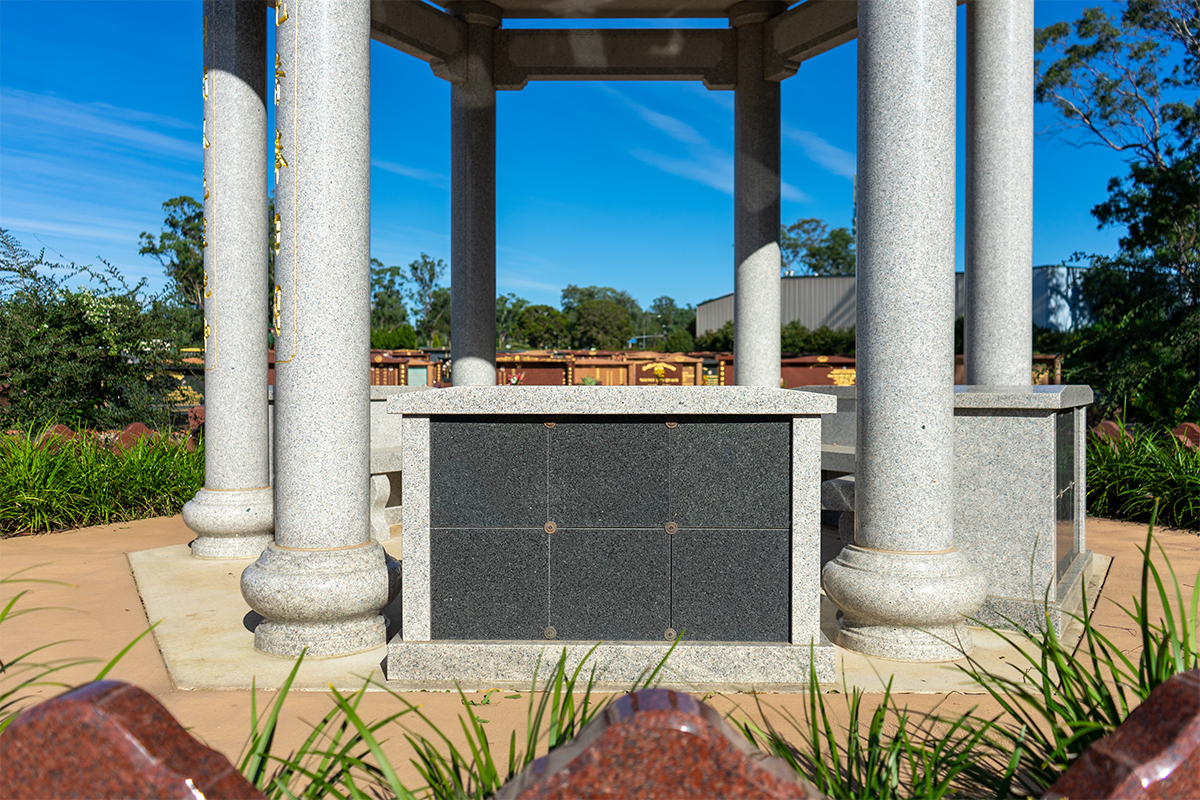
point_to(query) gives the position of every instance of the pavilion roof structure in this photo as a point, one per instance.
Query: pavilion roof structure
(611, 9)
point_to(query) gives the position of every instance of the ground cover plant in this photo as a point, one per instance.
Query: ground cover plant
(1140, 469)
(50, 482)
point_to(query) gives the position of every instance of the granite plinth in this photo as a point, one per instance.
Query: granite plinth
(111, 740)
(1154, 754)
(657, 743)
(693, 666)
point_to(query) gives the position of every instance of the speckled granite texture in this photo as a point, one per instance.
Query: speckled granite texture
(598, 510)
(324, 581)
(473, 202)
(657, 743)
(693, 666)
(233, 515)
(903, 568)
(111, 740)
(550, 400)
(999, 192)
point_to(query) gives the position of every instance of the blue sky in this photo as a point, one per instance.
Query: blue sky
(623, 184)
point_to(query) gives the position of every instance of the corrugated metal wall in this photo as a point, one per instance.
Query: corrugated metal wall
(815, 301)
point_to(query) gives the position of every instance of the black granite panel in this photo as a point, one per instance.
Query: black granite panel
(1064, 490)
(731, 474)
(608, 474)
(487, 474)
(731, 586)
(487, 584)
(611, 584)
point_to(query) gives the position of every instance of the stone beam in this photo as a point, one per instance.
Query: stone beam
(805, 31)
(422, 31)
(708, 55)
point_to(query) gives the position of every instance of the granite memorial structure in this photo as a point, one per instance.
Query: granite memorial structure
(907, 580)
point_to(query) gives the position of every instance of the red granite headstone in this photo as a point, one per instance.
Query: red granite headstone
(1112, 432)
(1189, 434)
(111, 740)
(129, 437)
(657, 743)
(1153, 755)
(54, 436)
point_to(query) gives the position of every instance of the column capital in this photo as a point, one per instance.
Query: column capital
(750, 11)
(476, 12)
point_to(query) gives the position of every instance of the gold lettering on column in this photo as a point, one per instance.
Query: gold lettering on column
(204, 130)
(204, 182)
(206, 334)
(207, 293)
(206, 83)
(280, 161)
(281, 14)
(278, 295)
(279, 73)
(278, 233)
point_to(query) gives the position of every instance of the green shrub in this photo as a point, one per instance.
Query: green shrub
(1129, 477)
(48, 483)
(92, 357)
(402, 337)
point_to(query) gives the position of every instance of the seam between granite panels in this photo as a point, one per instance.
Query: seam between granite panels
(806, 565)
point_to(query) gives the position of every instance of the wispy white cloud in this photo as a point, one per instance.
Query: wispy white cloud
(834, 159)
(428, 176)
(715, 173)
(98, 122)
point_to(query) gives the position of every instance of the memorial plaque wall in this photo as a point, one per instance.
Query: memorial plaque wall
(614, 528)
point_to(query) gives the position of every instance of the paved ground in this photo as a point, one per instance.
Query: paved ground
(99, 612)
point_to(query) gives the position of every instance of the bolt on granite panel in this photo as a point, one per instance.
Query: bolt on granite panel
(1064, 485)
(487, 474)
(731, 474)
(731, 585)
(610, 473)
(611, 584)
(487, 584)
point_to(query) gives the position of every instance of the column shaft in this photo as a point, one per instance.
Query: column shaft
(232, 514)
(756, 111)
(903, 573)
(999, 202)
(473, 204)
(323, 582)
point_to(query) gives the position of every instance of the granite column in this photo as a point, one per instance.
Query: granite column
(473, 202)
(323, 581)
(232, 515)
(756, 191)
(999, 202)
(902, 587)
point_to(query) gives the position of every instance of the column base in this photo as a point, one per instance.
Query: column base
(903, 605)
(929, 643)
(326, 600)
(233, 523)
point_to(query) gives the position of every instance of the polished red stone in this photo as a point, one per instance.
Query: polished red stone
(130, 435)
(657, 743)
(1189, 434)
(1153, 755)
(1111, 431)
(111, 740)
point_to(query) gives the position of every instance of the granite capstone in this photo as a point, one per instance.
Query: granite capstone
(731, 586)
(233, 515)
